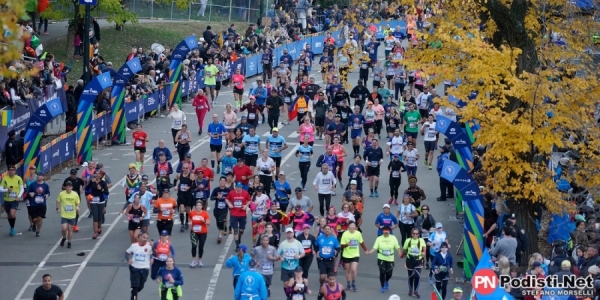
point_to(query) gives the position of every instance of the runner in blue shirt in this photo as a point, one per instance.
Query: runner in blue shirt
(304, 154)
(386, 219)
(276, 144)
(355, 124)
(328, 246)
(38, 192)
(244, 125)
(228, 162)
(372, 49)
(252, 148)
(216, 130)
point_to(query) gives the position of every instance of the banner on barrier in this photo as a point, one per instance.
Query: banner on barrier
(188, 44)
(117, 101)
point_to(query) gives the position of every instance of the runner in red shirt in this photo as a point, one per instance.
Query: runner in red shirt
(238, 201)
(242, 173)
(206, 171)
(139, 146)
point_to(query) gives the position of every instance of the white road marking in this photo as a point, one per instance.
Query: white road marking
(40, 283)
(294, 135)
(84, 215)
(212, 285)
(70, 252)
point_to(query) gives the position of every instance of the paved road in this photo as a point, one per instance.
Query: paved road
(103, 274)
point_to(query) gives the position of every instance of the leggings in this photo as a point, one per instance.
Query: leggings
(267, 72)
(378, 126)
(164, 292)
(442, 286)
(97, 211)
(273, 121)
(405, 230)
(340, 170)
(200, 113)
(164, 225)
(386, 268)
(304, 167)
(367, 126)
(182, 150)
(220, 217)
(266, 181)
(305, 263)
(156, 265)
(174, 133)
(414, 276)
(198, 240)
(324, 203)
(398, 88)
(394, 187)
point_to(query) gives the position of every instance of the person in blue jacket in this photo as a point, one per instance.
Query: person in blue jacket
(171, 280)
(446, 187)
(239, 263)
(161, 148)
(442, 269)
(251, 285)
(260, 93)
(386, 218)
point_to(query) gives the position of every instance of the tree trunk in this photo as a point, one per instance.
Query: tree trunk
(526, 220)
(71, 30)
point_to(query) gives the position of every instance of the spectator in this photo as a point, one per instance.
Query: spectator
(78, 90)
(5, 99)
(591, 259)
(506, 246)
(71, 101)
(103, 103)
(556, 262)
(11, 149)
(209, 35)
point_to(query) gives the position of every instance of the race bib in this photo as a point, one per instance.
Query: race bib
(39, 199)
(414, 251)
(298, 297)
(353, 243)
(374, 163)
(12, 195)
(289, 254)
(386, 252)
(166, 213)
(69, 208)
(301, 110)
(95, 199)
(265, 62)
(360, 97)
(372, 51)
(306, 156)
(287, 99)
(221, 205)
(431, 134)
(136, 219)
(197, 228)
(267, 267)
(425, 235)
(326, 250)
(306, 244)
(139, 257)
(364, 66)
(251, 116)
(356, 126)
(237, 148)
(395, 174)
(412, 125)
(227, 169)
(274, 148)
(237, 203)
(344, 115)
(138, 143)
(252, 147)
(177, 122)
(162, 257)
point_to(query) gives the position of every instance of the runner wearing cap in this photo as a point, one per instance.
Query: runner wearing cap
(385, 218)
(265, 255)
(162, 170)
(395, 168)
(78, 185)
(184, 185)
(67, 205)
(251, 284)
(37, 194)
(385, 245)
(290, 252)
(308, 243)
(356, 171)
(161, 148)
(244, 125)
(328, 248)
(13, 187)
(298, 288)
(298, 218)
(457, 293)
(139, 258)
(220, 208)
(131, 182)
(276, 144)
(395, 145)
(239, 262)
(187, 161)
(414, 250)
(242, 173)
(353, 195)
(238, 201)
(216, 130)
(139, 139)
(166, 206)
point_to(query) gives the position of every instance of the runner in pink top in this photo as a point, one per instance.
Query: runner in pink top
(379, 114)
(230, 121)
(238, 88)
(307, 129)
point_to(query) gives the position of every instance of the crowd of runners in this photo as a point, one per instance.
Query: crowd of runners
(242, 183)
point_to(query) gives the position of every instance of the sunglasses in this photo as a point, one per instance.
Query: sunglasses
(424, 208)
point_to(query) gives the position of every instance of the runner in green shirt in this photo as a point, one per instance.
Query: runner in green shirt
(411, 119)
(385, 246)
(351, 240)
(210, 78)
(67, 204)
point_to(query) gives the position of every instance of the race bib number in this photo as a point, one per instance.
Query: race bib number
(237, 148)
(197, 228)
(138, 143)
(372, 51)
(39, 199)
(298, 297)
(425, 235)
(227, 169)
(177, 122)
(306, 156)
(386, 252)
(265, 62)
(251, 147)
(12, 195)
(344, 115)
(95, 199)
(326, 250)
(360, 97)
(221, 205)
(356, 126)
(307, 135)
(353, 243)
(267, 267)
(364, 66)
(306, 244)
(301, 110)
(237, 203)
(69, 208)
(412, 125)
(136, 219)
(162, 257)
(431, 134)
(166, 213)
(395, 174)
(287, 99)
(274, 148)
(251, 116)
(414, 251)
(289, 254)
(374, 163)
(139, 257)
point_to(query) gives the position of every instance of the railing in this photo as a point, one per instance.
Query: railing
(213, 10)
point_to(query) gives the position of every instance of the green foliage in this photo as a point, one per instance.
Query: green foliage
(112, 10)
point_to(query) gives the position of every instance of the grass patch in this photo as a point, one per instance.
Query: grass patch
(115, 45)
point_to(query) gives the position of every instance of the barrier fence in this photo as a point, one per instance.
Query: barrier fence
(62, 149)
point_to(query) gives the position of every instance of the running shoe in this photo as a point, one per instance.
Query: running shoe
(430, 168)
(76, 228)
(348, 287)
(95, 236)
(182, 229)
(410, 293)
(237, 249)
(416, 294)
(426, 164)
(386, 285)
(34, 228)
(371, 194)
(333, 193)
(200, 264)
(90, 215)
(37, 234)
(354, 289)
(383, 290)
(396, 202)
(377, 194)
(231, 231)
(30, 228)
(62, 242)
(69, 245)
(193, 264)
(427, 266)
(390, 201)
(99, 230)
(219, 240)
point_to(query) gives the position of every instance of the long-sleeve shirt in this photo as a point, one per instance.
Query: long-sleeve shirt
(164, 150)
(165, 275)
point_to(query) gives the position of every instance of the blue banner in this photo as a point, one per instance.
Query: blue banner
(252, 64)
(238, 64)
(131, 111)
(68, 149)
(462, 180)
(453, 131)
(45, 160)
(57, 148)
(485, 263)
(84, 115)
(151, 102)
(317, 43)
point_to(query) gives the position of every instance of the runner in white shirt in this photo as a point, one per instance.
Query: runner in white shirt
(265, 167)
(395, 145)
(179, 119)
(410, 157)
(430, 138)
(324, 184)
(139, 258)
(423, 102)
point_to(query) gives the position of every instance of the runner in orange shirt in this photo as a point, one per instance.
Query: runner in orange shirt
(166, 206)
(140, 137)
(198, 232)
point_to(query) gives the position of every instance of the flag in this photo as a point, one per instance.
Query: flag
(435, 295)
(6, 117)
(293, 110)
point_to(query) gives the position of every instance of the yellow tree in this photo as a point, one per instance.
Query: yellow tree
(536, 83)
(12, 37)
